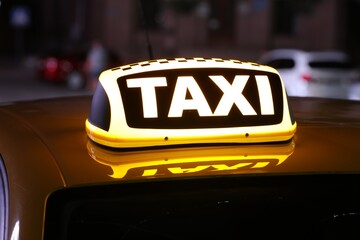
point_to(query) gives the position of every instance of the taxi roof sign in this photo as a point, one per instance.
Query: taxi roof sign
(189, 101)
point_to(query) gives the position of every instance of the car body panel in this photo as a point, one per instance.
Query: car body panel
(45, 148)
(59, 126)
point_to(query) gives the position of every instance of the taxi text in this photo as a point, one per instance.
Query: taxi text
(232, 95)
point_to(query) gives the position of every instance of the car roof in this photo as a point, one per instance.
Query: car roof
(45, 148)
(50, 133)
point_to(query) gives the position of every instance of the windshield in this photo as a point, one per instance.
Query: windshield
(332, 64)
(91, 36)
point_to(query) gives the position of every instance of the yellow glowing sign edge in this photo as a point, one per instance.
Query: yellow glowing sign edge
(120, 135)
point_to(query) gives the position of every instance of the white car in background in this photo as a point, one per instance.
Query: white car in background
(327, 74)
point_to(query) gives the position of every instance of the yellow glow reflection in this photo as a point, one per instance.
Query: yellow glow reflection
(194, 161)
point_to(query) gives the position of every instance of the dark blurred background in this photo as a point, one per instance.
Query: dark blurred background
(230, 28)
(135, 30)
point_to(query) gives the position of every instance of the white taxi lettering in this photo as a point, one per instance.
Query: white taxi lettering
(148, 94)
(179, 102)
(265, 95)
(232, 95)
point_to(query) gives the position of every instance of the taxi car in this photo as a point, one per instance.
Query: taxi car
(181, 149)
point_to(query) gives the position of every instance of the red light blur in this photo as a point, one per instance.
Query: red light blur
(306, 77)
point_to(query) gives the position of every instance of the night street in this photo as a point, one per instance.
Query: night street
(18, 82)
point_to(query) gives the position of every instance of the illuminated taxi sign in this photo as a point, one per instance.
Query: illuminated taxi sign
(187, 101)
